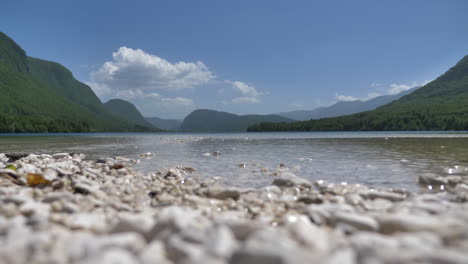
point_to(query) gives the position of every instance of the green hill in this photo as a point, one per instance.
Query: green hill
(127, 111)
(210, 120)
(43, 96)
(439, 105)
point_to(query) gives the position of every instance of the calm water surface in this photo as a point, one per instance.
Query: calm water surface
(381, 159)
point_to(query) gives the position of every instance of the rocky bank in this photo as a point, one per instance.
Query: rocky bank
(64, 208)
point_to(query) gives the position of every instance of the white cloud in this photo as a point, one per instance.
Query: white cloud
(398, 88)
(391, 90)
(249, 95)
(134, 94)
(132, 70)
(345, 98)
(245, 89)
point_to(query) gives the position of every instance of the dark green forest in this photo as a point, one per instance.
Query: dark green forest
(38, 96)
(441, 105)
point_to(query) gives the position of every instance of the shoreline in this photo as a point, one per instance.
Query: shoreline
(63, 208)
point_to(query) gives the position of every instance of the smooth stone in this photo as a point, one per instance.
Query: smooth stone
(87, 221)
(129, 222)
(154, 252)
(17, 199)
(378, 205)
(306, 233)
(365, 241)
(242, 229)
(288, 179)
(172, 220)
(15, 156)
(223, 193)
(431, 179)
(323, 213)
(57, 196)
(85, 187)
(411, 223)
(70, 208)
(451, 256)
(129, 241)
(392, 196)
(179, 250)
(342, 256)
(220, 241)
(254, 256)
(271, 245)
(360, 222)
(34, 208)
(60, 155)
(112, 256)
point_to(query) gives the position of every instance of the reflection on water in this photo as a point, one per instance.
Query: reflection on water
(249, 159)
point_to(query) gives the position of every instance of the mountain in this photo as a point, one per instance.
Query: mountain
(345, 107)
(167, 124)
(210, 120)
(439, 105)
(127, 111)
(43, 96)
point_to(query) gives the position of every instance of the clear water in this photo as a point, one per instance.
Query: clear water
(389, 159)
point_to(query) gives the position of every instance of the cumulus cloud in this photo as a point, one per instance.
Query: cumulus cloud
(132, 70)
(248, 93)
(245, 89)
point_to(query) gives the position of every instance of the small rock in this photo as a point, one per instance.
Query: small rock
(305, 232)
(220, 241)
(179, 250)
(223, 193)
(373, 194)
(60, 155)
(288, 179)
(431, 179)
(15, 156)
(129, 222)
(411, 223)
(154, 252)
(112, 256)
(360, 222)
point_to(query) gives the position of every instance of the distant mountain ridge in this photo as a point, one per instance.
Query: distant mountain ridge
(210, 120)
(440, 105)
(167, 124)
(43, 96)
(345, 107)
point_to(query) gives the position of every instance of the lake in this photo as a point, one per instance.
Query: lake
(388, 159)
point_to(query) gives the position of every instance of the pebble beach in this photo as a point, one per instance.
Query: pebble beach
(66, 208)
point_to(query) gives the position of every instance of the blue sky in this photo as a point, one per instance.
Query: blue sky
(171, 57)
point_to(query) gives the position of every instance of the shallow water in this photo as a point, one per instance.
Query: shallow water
(389, 159)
